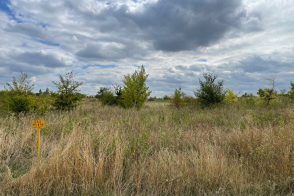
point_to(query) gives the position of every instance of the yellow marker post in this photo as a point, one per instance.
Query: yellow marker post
(38, 124)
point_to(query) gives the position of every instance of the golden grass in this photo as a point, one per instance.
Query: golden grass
(97, 150)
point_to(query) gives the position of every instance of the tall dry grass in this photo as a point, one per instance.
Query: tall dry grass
(97, 150)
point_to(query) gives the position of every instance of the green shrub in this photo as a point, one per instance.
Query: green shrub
(268, 94)
(67, 96)
(291, 92)
(166, 97)
(230, 97)
(42, 104)
(19, 96)
(21, 103)
(209, 91)
(177, 100)
(109, 99)
(102, 92)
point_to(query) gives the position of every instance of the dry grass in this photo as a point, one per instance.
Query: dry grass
(97, 150)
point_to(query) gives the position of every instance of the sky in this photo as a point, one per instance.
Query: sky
(176, 41)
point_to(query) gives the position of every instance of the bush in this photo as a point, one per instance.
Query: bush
(18, 96)
(268, 94)
(21, 103)
(209, 91)
(166, 97)
(177, 100)
(291, 92)
(109, 99)
(151, 99)
(231, 97)
(101, 92)
(42, 104)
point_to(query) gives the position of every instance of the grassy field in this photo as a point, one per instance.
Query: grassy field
(95, 150)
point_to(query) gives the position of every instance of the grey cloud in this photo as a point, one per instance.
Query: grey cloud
(171, 25)
(111, 51)
(11, 68)
(258, 64)
(27, 29)
(184, 25)
(40, 59)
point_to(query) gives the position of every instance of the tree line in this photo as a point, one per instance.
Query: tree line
(18, 96)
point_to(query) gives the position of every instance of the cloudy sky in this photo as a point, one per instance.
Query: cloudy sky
(176, 41)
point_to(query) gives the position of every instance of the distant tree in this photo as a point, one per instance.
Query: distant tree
(283, 92)
(101, 92)
(268, 94)
(210, 92)
(291, 92)
(118, 92)
(246, 95)
(166, 97)
(67, 95)
(39, 93)
(177, 99)
(231, 97)
(108, 99)
(135, 92)
(47, 92)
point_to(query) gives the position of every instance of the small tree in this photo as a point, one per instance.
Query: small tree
(118, 92)
(166, 97)
(291, 92)
(210, 92)
(19, 94)
(101, 92)
(135, 92)
(20, 86)
(268, 94)
(177, 99)
(46, 93)
(108, 99)
(67, 95)
(231, 97)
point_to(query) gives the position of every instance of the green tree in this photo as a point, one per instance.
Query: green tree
(268, 94)
(118, 92)
(108, 99)
(291, 92)
(166, 97)
(67, 95)
(20, 86)
(135, 92)
(210, 92)
(46, 93)
(231, 97)
(101, 92)
(19, 96)
(177, 99)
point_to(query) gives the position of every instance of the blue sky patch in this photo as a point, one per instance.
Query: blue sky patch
(202, 60)
(97, 65)
(4, 7)
(44, 26)
(47, 42)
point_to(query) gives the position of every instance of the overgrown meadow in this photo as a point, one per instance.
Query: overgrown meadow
(233, 149)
